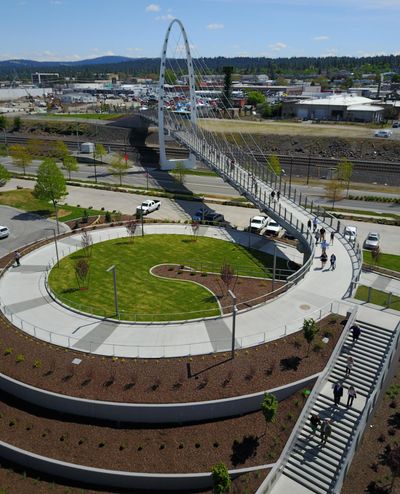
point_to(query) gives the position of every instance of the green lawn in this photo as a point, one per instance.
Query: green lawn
(140, 292)
(25, 200)
(388, 261)
(377, 297)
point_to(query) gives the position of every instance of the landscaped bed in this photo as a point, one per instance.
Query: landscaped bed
(165, 380)
(238, 442)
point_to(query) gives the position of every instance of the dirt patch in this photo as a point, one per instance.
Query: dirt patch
(238, 442)
(368, 467)
(249, 291)
(175, 380)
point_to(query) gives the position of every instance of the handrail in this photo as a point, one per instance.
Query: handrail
(305, 414)
(369, 407)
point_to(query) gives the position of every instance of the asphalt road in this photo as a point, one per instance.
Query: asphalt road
(183, 210)
(24, 228)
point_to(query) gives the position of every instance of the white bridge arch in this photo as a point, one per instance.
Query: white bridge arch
(166, 164)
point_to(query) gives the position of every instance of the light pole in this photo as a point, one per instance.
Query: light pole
(55, 243)
(56, 213)
(114, 271)
(94, 163)
(274, 268)
(309, 165)
(234, 309)
(77, 138)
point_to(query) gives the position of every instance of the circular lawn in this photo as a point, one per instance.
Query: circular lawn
(141, 295)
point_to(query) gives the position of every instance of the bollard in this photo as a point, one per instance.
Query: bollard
(369, 294)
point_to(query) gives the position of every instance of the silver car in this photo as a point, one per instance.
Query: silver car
(372, 241)
(4, 232)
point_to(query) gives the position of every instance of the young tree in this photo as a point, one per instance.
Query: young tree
(269, 408)
(170, 77)
(255, 98)
(3, 123)
(227, 91)
(131, 229)
(36, 147)
(344, 172)
(70, 164)
(221, 479)
(180, 171)
(118, 167)
(99, 151)
(334, 191)
(310, 329)
(86, 243)
(195, 229)
(21, 156)
(275, 164)
(82, 269)
(50, 183)
(17, 124)
(227, 274)
(5, 175)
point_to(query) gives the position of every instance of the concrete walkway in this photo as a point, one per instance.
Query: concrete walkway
(27, 304)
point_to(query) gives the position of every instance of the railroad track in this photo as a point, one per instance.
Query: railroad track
(314, 166)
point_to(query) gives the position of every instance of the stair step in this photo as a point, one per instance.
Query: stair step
(376, 333)
(359, 367)
(356, 380)
(318, 452)
(335, 454)
(368, 325)
(340, 413)
(319, 467)
(367, 355)
(315, 482)
(300, 480)
(333, 449)
(329, 401)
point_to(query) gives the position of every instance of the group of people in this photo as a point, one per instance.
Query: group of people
(277, 194)
(338, 393)
(324, 426)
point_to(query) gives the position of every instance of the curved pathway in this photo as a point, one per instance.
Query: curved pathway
(25, 301)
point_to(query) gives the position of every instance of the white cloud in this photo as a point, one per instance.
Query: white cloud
(153, 8)
(214, 26)
(320, 38)
(277, 46)
(134, 50)
(332, 52)
(167, 17)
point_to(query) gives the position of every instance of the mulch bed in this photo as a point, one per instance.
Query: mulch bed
(368, 465)
(248, 291)
(175, 380)
(238, 442)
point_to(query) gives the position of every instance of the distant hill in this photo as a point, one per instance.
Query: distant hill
(300, 67)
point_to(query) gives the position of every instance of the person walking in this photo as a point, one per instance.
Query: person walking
(351, 394)
(337, 393)
(324, 246)
(315, 223)
(278, 195)
(324, 259)
(326, 430)
(333, 261)
(322, 232)
(349, 365)
(309, 224)
(316, 237)
(356, 331)
(315, 421)
(17, 257)
(273, 195)
(332, 237)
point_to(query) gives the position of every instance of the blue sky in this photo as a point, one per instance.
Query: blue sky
(78, 29)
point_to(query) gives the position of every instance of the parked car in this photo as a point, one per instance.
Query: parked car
(372, 241)
(4, 232)
(258, 223)
(350, 232)
(200, 214)
(148, 206)
(211, 218)
(396, 125)
(273, 228)
(383, 133)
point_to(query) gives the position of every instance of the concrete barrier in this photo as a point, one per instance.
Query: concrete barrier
(147, 413)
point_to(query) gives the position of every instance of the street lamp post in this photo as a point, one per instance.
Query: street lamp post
(234, 309)
(274, 268)
(94, 163)
(290, 175)
(56, 213)
(114, 271)
(55, 243)
(309, 165)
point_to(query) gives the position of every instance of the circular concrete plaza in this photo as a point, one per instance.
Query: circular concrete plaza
(26, 302)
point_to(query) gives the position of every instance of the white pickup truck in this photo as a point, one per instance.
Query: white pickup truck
(258, 223)
(148, 206)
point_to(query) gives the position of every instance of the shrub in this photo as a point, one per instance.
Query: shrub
(19, 358)
(221, 479)
(107, 217)
(8, 351)
(37, 363)
(269, 407)
(310, 329)
(317, 347)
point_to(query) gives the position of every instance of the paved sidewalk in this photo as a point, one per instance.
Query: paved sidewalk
(380, 282)
(29, 306)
